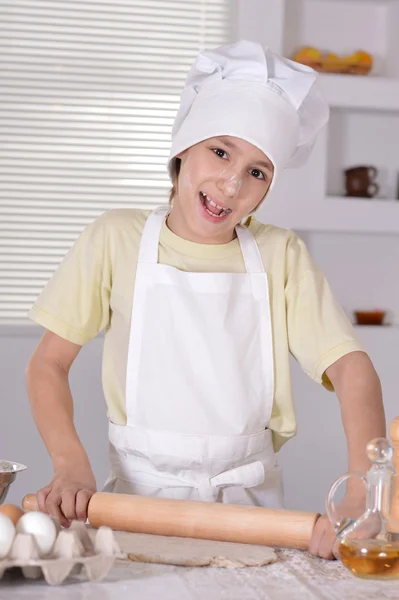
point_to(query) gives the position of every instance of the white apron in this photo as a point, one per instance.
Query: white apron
(199, 383)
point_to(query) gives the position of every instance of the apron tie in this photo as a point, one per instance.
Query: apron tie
(245, 476)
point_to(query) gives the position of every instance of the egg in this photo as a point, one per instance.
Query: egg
(42, 527)
(12, 511)
(7, 535)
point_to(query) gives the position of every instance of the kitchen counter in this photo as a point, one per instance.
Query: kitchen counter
(296, 576)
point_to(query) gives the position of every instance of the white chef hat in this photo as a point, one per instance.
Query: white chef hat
(247, 91)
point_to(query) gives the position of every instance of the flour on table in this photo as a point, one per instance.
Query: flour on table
(146, 548)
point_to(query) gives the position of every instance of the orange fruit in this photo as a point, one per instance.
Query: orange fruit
(363, 57)
(308, 54)
(332, 57)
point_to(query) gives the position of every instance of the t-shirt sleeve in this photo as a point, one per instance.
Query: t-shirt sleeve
(75, 302)
(319, 332)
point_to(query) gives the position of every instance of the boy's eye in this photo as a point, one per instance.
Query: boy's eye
(219, 152)
(257, 174)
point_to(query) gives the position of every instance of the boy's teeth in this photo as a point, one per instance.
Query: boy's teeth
(212, 203)
(224, 212)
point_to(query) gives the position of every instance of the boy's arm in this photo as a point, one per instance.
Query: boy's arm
(67, 495)
(358, 388)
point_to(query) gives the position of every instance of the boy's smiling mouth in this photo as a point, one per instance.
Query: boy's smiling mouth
(214, 210)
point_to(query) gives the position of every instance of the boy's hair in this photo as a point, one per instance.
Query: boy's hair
(176, 175)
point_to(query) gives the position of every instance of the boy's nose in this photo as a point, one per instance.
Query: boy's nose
(231, 184)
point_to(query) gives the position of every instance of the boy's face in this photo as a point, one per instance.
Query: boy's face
(221, 181)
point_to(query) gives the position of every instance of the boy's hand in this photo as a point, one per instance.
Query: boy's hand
(324, 542)
(67, 496)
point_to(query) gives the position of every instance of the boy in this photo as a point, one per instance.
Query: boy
(202, 308)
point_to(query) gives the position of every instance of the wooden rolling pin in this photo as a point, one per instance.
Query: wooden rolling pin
(205, 520)
(210, 520)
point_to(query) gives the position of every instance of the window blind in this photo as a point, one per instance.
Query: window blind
(90, 89)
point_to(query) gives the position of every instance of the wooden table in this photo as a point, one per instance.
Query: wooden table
(296, 576)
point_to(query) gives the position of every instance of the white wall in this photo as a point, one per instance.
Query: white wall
(362, 269)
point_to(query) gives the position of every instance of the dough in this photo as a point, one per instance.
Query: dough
(142, 547)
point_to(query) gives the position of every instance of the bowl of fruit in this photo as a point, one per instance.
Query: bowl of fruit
(358, 63)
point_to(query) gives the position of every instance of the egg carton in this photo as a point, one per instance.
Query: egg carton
(73, 551)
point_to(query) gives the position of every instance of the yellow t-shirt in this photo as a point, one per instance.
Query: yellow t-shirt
(92, 290)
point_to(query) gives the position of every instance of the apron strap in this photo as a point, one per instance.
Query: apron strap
(149, 244)
(250, 250)
(148, 252)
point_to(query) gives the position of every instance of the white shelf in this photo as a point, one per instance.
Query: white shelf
(362, 215)
(339, 214)
(366, 92)
(387, 206)
(364, 124)
(394, 327)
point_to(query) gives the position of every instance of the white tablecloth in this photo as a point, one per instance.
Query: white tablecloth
(296, 576)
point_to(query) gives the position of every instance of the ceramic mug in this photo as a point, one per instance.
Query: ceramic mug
(359, 182)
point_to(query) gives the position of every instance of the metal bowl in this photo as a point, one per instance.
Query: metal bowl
(8, 473)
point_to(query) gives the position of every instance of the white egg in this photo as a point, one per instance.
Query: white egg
(7, 535)
(42, 527)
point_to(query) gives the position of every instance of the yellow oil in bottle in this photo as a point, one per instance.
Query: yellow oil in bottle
(374, 559)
